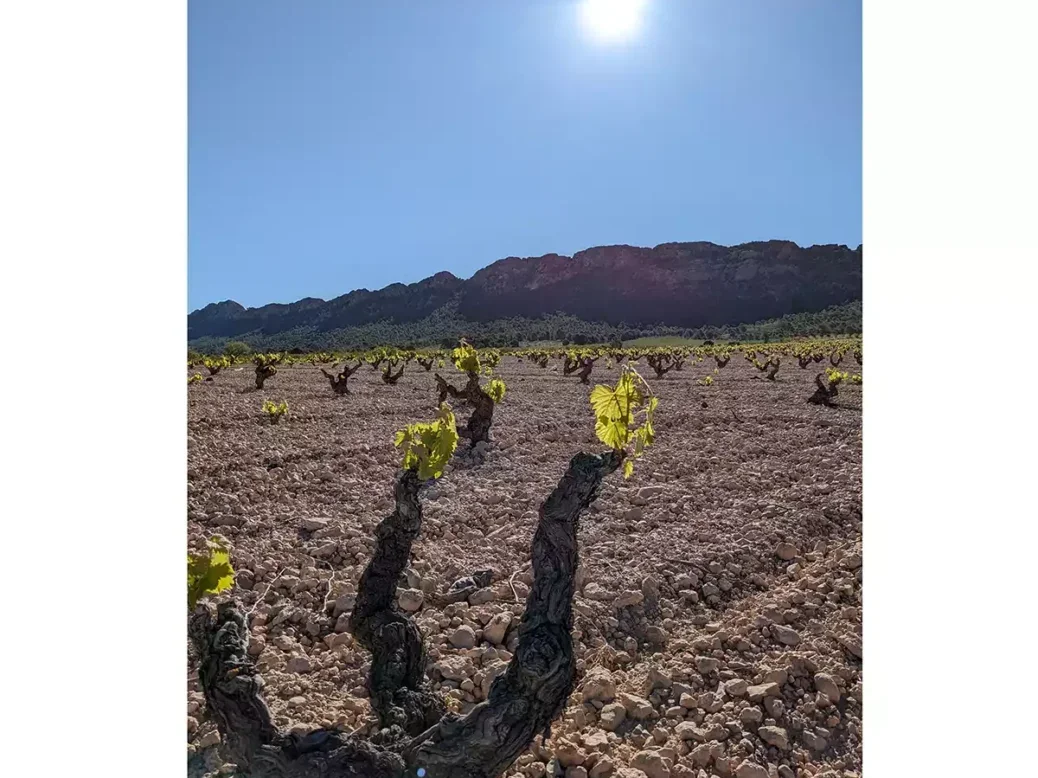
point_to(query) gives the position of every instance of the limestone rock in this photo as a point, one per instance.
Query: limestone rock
(787, 636)
(463, 637)
(496, 629)
(759, 692)
(775, 736)
(651, 763)
(826, 684)
(598, 685)
(410, 600)
(736, 687)
(612, 716)
(750, 770)
(629, 598)
(638, 708)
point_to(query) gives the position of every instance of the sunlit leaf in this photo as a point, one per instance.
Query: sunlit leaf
(208, 573)
(428, 446)
(495, 388)
(616, 410)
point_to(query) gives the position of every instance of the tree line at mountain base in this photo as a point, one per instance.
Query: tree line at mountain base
(443, 329)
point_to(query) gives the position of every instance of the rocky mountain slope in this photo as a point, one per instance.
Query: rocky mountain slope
(679, 284)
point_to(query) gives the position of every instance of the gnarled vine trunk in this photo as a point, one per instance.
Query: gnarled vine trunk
(582, 367)
(389, 377)
(824, 394)
(397, 681)
(478, 427)
(656, 363)
(522, 702)
(263, 372)
(585, 372)
(339, 382)
(533, 691)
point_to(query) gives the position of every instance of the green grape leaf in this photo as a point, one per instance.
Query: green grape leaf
(275, 410)
(466, 358)
(209, 573)
(613, 432)
(495, 388)
(617, 411)
(428, 446)
(601, 400)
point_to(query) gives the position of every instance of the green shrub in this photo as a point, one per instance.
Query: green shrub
(237, 348)
(275, 411)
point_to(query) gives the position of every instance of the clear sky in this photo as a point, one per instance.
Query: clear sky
(339, 144)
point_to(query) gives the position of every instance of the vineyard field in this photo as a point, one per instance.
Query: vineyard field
(719, 595)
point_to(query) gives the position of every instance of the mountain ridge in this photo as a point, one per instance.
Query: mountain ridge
(685, 284)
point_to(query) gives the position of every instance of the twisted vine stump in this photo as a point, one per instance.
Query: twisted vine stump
(585, 371)
(443, 388)
(478, 427)
(533, 691)
(761, 366)
(582, 367)
(389, 377)
(804, 360)
(522, 702)
(656, 363)
(338, 383)
(397, 686)
(426, 363)
(773, 366)
(263, 372)
(824, 393)
(836, 359)
(722, 362)
(232, 693)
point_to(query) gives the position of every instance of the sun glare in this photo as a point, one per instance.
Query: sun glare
(612, 20)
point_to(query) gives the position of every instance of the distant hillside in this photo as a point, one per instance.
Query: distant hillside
(624, 289)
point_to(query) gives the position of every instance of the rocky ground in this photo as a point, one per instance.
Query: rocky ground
(718, 617)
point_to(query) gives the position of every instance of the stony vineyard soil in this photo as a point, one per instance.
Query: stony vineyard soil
(718, 617)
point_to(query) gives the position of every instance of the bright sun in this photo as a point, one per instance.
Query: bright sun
(612, 20)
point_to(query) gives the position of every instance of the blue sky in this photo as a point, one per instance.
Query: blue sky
(337, 144)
